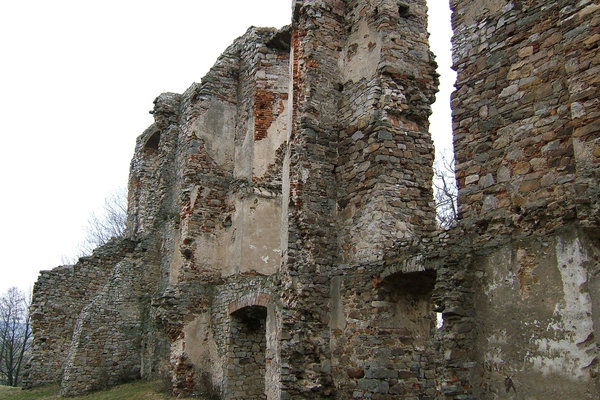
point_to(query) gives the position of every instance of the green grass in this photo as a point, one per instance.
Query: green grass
(130, 391)
(47, 392)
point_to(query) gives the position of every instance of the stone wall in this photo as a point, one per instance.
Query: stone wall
(281, 231)
(359, 158)
(59, 295)
(385, 154)
(151, 194)
(525, 132)
(383, 335)
(246, 355)
(233, 124)
(104, 353)
(233, 127)
(525, 119)
(550, 349)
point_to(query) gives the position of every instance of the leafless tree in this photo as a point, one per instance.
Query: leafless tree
(15, 336)
(108, 224)
(445, 192)
(102, 226)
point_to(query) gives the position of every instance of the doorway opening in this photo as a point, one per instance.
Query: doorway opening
(246, 353)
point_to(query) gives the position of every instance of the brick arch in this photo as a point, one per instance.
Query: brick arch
(254, 299)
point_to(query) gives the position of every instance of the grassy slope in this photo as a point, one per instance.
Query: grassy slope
(130, 391)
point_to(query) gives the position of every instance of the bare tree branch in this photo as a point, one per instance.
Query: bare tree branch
(445, 192)
(108, 223)
(15, 336)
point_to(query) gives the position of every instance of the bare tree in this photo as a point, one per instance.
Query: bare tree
(15, 336)
(108, 223)
(445, 192)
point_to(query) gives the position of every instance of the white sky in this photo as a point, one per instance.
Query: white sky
(77, 79)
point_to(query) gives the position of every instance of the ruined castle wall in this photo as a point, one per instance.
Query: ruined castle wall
(282, 218)
(106, 348)
(82, 313)
(309, 191)
(524, 110)
(209, 348)
(385, 153)
(582, 67)
(525, 132)
(151, 191)
(383, 335)
(359, 158)
(233, 125)
(59, 295)
(114, 338)
(534, 317)
(243, 311)
(263, 118)
(153, 195)
(205, 169)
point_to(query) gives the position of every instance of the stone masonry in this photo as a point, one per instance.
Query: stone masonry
(281, 239)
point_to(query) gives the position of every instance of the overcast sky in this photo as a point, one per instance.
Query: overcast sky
(77, 81)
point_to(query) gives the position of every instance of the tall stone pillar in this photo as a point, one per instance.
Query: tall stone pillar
(309, 193)
(357, 172)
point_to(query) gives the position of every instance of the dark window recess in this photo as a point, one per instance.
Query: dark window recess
(410, 306)
(251, 316)
(281, 40)
(413, 284)
(403, 10)
(152, 143)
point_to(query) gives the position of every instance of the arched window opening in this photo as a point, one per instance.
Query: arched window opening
(403, 10)
(151, 146)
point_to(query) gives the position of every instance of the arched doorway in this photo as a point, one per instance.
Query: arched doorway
(246, 353)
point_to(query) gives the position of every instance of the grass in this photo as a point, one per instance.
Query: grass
(131, 391)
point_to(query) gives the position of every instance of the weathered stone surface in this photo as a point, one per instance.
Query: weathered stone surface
(59, 297)
(534, 219)
(280, 235)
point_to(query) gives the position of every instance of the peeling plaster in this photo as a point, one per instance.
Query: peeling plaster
(361, 55)
(265, 149)
(570, 352)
